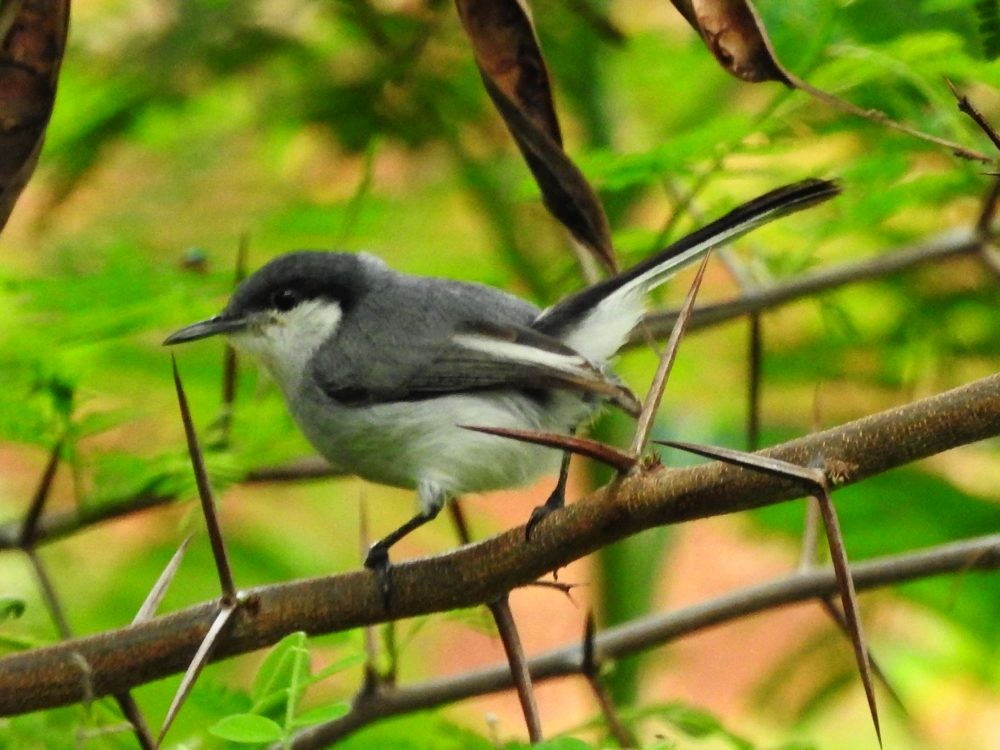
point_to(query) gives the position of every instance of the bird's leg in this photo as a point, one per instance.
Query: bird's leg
(556, 500)
(431, 499)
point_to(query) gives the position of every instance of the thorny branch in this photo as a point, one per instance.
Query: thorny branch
(478, 573)
(651, 631)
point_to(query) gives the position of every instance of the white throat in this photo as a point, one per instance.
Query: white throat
(284, 342)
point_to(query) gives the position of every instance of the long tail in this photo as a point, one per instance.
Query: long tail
(595, 321)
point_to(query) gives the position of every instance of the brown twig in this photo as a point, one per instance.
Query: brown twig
(49, 595)
(137, 721)
(507, 628)
(590, 668)
(310, 467)
(966, 106)
(988, 253)
(459, 522)
(129, 708)
(598, 20)
(30, 524)
(755, 356)
(651, 405)
(205, 495)
(987, 213)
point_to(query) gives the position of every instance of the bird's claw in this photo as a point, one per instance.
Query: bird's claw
(377, 561)
(556, 501)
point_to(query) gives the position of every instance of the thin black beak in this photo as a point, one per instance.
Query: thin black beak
(204, 329)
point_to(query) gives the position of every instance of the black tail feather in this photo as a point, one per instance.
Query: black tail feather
(761, 210)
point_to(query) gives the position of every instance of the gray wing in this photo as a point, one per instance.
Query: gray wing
(438, 338)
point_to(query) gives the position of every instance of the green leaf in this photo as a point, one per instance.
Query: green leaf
(695, 723)
(11, 607)
(247, 728)
(321, 714)
(692, 721)
(275, 673)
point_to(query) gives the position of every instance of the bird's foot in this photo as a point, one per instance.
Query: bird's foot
(377, 561)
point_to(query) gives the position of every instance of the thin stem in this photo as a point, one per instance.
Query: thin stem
(883, 119)
(50, 596)
(507, 628)
(755, 356)
(651, 405)
(222, 565)
(30, 524)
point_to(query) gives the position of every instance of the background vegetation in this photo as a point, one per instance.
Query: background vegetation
(182, 127)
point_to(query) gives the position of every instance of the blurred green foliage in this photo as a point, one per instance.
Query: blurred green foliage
(181, 126)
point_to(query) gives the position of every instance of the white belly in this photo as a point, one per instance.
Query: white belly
(407, 443)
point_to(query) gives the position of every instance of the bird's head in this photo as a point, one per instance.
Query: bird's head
(285, 311)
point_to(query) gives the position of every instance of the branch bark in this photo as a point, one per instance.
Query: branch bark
(648, 632)
(121, 659)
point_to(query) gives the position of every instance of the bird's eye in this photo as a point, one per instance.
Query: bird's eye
(284, 299)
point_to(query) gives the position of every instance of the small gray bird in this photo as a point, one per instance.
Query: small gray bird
(379, 367)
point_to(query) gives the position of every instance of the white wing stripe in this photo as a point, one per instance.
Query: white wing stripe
(513, 352)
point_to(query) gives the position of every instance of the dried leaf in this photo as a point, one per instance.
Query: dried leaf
(516, 78)
(509, 56)
(33, 41)
(733, 32)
